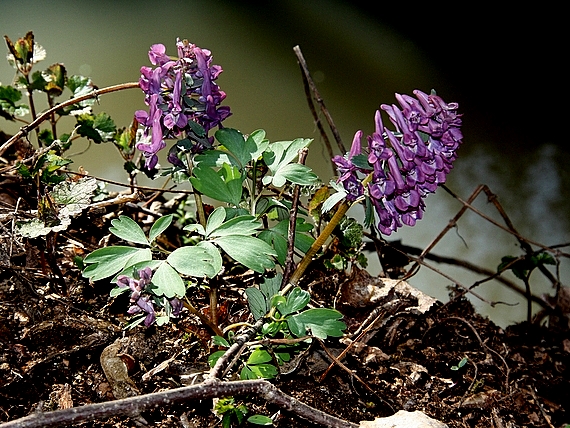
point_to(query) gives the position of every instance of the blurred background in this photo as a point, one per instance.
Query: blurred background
(503, 67)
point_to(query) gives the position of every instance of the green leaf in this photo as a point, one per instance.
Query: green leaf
(214, 357)
(260, 420)
(279, 155)
(320, 321)
(224, 185)
(215, 220)
(247, 374)
(242, 150)
(98, 128)
(260, 300)
(126, 228)
(256, 302)
(138, 265)
(106, 262)
(278, 242)
(80, 86)
(199, 261)
(284, 152)
(332, 200)
(270, 287)
(220, 341)
(159, 226)
(214, 158)
(248, 250)
(261, 143)
(259, 356)
(352, 232)
(168, 282)
(8, 107)
(297, 299)
(245, 225)
(264, 371)
(295, 173)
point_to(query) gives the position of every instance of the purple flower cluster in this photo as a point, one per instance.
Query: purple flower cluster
(178, 92)
(405, 164)
(142, 303)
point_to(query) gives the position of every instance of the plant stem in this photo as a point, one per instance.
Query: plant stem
(319, 242)
(292, 224)
(215, 329)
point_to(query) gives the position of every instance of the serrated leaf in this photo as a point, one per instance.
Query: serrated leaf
(168, 282)
(126, 228)
(199, 261)
(106, 262)
(75, 195)
(36, 227)
(297, 299)
(98, 128)
(320, 322)
(159, 226)
(248, 250)
(256, 302)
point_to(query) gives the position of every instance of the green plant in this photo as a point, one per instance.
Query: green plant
(255, 186)
(232, 412)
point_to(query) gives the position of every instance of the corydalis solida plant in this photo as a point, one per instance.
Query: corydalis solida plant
(406, 164)
(183, 100)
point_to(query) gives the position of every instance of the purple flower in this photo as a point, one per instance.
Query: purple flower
(348, 172)
(178, 92)
(144, 305)
(176, 305)
(408, 162)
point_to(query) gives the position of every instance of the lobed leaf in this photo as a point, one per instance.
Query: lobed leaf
(168, 282)
(256, 302)
(248, 250)
(126, 228)
(199, 261)
(297, 299)
(108, 261)
(320, 322)
(159, 226)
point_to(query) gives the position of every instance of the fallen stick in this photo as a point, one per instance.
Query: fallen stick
(204, 391)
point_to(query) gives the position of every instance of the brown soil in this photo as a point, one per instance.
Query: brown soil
(52, 338)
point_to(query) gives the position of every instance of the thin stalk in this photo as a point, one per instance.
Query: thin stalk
(205, 320)
(24, 130)
(289, 262)
(52, 120)
(319, 242)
